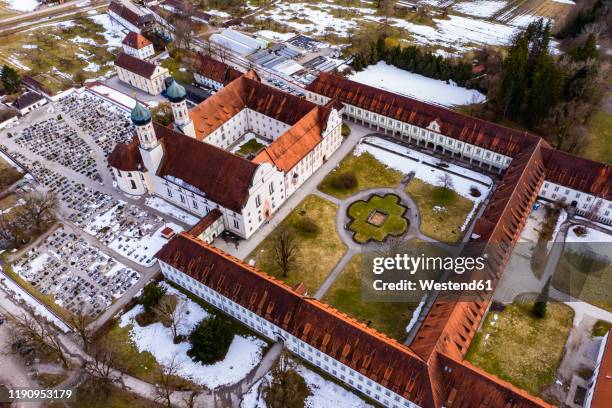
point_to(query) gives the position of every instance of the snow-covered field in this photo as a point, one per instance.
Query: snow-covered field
(463, 179)
(479, 8)
(385, 76)
(165, 207)
(22, 5)
(113, 33)
(243, 355)
(275, 36)
(324, 393)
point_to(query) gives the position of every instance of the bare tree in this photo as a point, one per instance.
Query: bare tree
(100, 370)
(446, 182)
(39, 208)
(285, 250)
(172, 316)
(167, 379)
(12, 226)
(80, 322)
(37, 331)
(183, 33)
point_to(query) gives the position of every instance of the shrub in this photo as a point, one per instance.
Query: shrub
(210, 340)
(345, 130)
(307, 226)
(151, 295)
(287, 388)
(580, 231)
(345, 181)
(474, 192)
(600, 328)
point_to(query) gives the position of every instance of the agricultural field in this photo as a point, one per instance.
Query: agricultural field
(444, 25)
(64, 53)
(9, 8)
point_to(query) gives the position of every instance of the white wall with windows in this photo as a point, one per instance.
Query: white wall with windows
(597, 208)
(333, 367)
(153, 85)
(131, 182)
(427, 137)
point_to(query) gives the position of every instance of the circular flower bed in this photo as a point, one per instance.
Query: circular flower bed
(377, 218)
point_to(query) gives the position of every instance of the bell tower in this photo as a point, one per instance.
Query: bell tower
(141, 118)
(178, 100)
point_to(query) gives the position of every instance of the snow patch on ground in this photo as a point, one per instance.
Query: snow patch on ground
(390, 78)
(324, 393)
(165, 207)
(22, 5)
(592, 235)
(243, 355)
(479, 8)
(113, 33)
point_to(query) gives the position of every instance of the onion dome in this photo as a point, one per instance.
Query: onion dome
(140, 115)
(176, 93)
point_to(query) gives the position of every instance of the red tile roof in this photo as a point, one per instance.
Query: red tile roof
(136, 40)
(468, 129)
(602, 394)
(205, 222)
(430, 383)
(299, 140)
(224, 177)
(129, 15)
(136, 65)
(216, 70)
(578, 173)
(245, 92)
(126, 157)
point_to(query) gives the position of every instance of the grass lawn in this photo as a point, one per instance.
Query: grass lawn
(177, 70)
(521, 348)
(8, 174)
(600, 148)
(55, 55)
(584, 277)
(369, 172)
(118, 398)
(444, 225)
(390, 318)
(250, 147)
(376, 218)
(319, 252)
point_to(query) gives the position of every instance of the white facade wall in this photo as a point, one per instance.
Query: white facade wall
(422, 136)
(245, 121)
(265, 196)
(142, 53)
(30, 108)
(130, 182)
(585, 204)
(153, 86)
(207, 82)
(265, 328)
(213, 231)
(332, 138)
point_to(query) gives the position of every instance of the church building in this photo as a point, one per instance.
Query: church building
(243, 152)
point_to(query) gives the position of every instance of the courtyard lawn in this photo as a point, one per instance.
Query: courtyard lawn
(390, 318)
(178, 70)
(250, 147)
(87, 396)
(369, 172)
(319, 252)
(442, 214)
(520, 348)
(585, 277)
(377, 218)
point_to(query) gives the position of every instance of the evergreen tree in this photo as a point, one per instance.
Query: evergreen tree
(514, 76)
(210, 340)
(586, 50)
(151, 295)
(539, 307)
(10, 79)
(545, 91)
